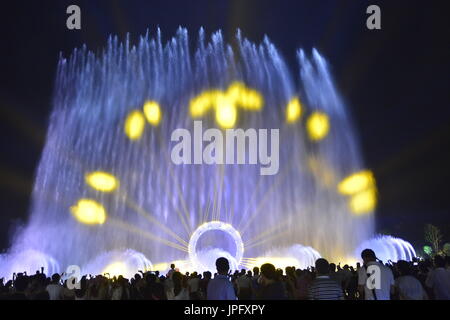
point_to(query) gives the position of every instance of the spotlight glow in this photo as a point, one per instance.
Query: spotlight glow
(134, 125)
(293, 110)
(102, 181)
(296, 255)
(226, 112)
(116, 269)
(214, 225)
(203, 103)
(250, 100)
(226, 103)
(152, 112)
(89, 212)
(317, 126)
(356, 182)
(364, 201)
(278, 262)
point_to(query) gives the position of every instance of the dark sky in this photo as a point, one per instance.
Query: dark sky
(395, 82)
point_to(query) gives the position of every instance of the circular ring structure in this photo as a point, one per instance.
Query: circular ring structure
(214, 225)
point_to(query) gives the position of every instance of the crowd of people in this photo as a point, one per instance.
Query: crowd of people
(371, 280)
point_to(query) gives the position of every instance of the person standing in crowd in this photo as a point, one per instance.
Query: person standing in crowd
(302, 283)
(336, 276)
(412, 278)
(408, 287)
(271, 288)
(204, 284)
(244, 285)
(221, 288)
(438, 280)
(384, 278)
(180, 290)
(323, 287)
(55, 289)
(255, 284)
(20, 286)
(194, 286)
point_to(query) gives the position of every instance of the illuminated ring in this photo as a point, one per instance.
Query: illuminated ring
(214, 225)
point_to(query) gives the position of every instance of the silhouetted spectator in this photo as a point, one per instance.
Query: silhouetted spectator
(55, 289)
(323, 287)
(439, 280)
(220, 288)
(271, 288)
(384, 284)
(408, 287)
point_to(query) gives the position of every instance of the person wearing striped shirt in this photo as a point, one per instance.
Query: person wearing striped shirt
(323, 287)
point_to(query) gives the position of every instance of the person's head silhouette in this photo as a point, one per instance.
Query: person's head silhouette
(322, 267)
(368, 255)
(55, 278)
(403, 267)
(268, 273)
(222, 266)
(332, 267)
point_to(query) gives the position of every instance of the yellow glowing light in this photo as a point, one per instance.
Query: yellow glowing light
(318, 126)
(116, 269)
(278, 262)
(89, 212)
(152, 112)
(160, 266)
(363, 202)
(102, 181)
(293, 110)
(235, 90)
(226, 103)
(184, 265)
(226, 113)
(134, 125)
(250, 100)
(356, 182)
(203, 103)
(350, 261)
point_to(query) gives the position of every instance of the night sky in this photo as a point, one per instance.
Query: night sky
(395, 82)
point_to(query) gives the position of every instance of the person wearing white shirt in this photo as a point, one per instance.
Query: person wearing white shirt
(54, 289)
(384, 278)
(193, 286)
(408, 287)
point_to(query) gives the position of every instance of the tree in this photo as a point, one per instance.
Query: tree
(433, 236)
(446, 249)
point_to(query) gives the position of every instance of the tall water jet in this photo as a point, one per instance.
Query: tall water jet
(106, 181)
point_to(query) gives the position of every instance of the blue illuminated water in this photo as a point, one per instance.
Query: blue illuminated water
(94, 94)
